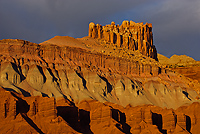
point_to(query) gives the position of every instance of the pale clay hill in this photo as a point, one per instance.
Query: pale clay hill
(182, 64)
(177, 60)
(112, 81)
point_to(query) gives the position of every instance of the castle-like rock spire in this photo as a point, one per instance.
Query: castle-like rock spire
(131, 35)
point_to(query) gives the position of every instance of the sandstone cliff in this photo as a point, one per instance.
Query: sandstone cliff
(46, 115)
(78, 74)
(131, 35)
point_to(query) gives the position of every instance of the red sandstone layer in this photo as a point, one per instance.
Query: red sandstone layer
(46, 115)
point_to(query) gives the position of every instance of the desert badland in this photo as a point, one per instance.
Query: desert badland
(111, 81)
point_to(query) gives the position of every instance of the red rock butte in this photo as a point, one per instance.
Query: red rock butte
(131, 35)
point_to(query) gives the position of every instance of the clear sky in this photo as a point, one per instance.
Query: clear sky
(176, 23)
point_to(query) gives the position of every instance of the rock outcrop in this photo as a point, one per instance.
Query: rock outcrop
(131, 35)
(77, 74)
(62, 55)
(182, 64)
(46, 115)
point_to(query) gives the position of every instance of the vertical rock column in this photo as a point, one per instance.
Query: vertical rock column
(99, 31)
(112, 34)
(100, 115)
(47, 108)
(92, 30)
(33, 106)
(181, 120)
(169, 122)
(119, 40)
(133, 119)
(10, 108)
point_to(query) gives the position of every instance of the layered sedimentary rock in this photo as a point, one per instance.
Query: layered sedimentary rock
(77, 74)
(182, 64)
(54, 56)
(192, 72)
(46, 115)
(8, 105)
(131, 35)
(64, 85)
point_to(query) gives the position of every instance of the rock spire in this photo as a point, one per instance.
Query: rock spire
(131, 35)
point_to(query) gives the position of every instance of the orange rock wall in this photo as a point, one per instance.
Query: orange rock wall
(43, 107)
(35, 106)
(23, 52)
(131, 35)
(7, 105)
(191, 72)
(97, 117)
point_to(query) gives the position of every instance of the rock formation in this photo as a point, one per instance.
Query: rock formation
(78, 74)
(36, 114)
(94, 85)
(131, 35)
(52, 54)
(182, 64)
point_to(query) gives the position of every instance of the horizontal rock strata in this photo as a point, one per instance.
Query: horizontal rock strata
(77, 74)
(52, 55)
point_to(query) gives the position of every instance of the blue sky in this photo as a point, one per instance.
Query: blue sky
(175, 22)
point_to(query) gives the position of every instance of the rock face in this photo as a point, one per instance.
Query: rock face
(67, 85)
(182, 64)
(54, 56)
(77, 74)
(192, 72)
(131, 35)
(46, 115)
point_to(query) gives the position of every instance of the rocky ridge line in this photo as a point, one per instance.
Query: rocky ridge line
(51, 55)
